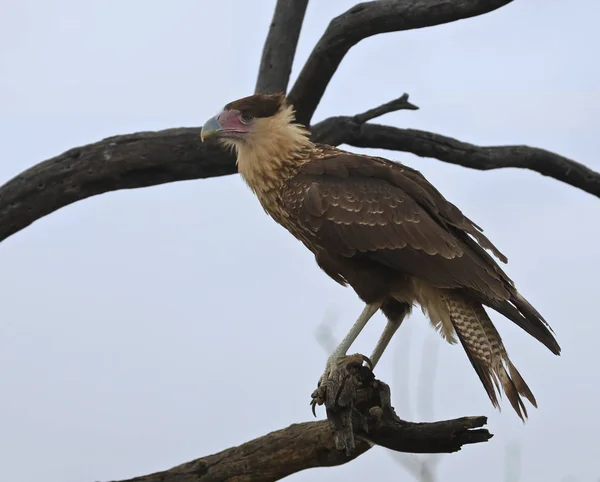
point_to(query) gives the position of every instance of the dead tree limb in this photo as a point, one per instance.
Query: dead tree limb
(323, 444)
(401, 103)
(280, 47)
(120, 162)
(152, 158)
(347, 130)
(366, 20)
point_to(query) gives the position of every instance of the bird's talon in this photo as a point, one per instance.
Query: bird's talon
(318, 398)
(368, 361)
(314, 404)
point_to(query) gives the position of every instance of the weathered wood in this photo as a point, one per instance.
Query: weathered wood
(317, 444)
(280, 46)
(151, 158)
(121, 162)
(346, 130)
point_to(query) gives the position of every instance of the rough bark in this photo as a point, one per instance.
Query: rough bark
(371, 420)
(304, 446)
(280, 47)
(346, 130)
(151, 158)
(120, 162)
(271, 457)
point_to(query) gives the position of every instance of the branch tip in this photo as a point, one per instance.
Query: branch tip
(401, 103)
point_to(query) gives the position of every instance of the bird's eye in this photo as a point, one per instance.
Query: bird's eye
(246, 118)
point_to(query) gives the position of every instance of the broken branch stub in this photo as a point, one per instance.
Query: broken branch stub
(358, 405)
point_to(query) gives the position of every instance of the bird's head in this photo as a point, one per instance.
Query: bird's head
(257, 121)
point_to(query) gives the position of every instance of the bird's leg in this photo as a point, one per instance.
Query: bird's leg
(384, 340)
(342, 349)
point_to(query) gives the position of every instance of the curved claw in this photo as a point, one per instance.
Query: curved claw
(320, 394)
(313, 404)
(317, 399)
(368, 361)
(356, 358)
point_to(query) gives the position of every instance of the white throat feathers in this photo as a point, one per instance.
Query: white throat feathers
(271, 150)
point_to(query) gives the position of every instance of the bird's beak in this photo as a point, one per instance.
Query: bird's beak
(210, 128)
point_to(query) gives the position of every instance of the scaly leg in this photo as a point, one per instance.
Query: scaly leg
(386, 336)
(342, 349)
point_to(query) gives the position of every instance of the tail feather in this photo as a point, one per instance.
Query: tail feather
(520, 384)
(541, 328)
(517, 308)
(486, 352)
(528, 320)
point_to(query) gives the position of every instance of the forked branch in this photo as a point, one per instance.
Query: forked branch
(365, 20)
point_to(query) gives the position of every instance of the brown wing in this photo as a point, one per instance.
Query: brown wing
(364, 206)
(370, 207)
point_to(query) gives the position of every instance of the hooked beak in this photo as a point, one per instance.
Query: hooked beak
(210, 129)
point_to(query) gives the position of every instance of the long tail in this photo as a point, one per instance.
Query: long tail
(524, 315)
(486, 352)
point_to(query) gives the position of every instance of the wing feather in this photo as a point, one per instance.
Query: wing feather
(363, 206)
(371, 208)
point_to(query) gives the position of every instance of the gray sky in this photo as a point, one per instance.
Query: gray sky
(134, 325)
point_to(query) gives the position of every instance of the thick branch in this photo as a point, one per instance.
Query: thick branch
(151, 158)
(121, 162)
(270, 457)
(308, 445)
(345, 130)
(316, 444)
(363, 21)
(280, 46)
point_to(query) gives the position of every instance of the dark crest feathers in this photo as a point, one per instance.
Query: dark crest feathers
(259, 105)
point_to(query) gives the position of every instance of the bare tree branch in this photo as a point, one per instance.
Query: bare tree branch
(365, 20)
(120, 162)
(304, 446)
(268, 458)
(345, 130)
(313, 444)
(152, 158)
(280, 46)
(401, 103)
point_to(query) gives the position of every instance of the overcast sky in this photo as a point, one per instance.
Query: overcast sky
(141, 329)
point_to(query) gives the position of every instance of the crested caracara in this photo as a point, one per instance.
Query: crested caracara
(383, 229)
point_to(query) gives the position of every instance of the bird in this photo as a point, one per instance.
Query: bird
(383, 229)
